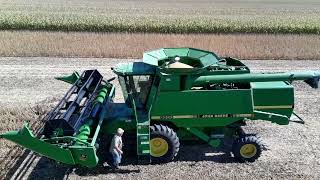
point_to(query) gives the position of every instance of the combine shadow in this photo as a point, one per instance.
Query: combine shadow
(47, 169)
(203, 152)
(188, 153)
(105, 169)
(18, 162)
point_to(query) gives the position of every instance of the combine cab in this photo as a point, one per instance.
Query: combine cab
(174, 95)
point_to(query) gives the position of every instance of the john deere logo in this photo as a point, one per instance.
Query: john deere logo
(83, 157)
(203, 116)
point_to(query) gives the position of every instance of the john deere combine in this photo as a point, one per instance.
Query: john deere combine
(174, 94)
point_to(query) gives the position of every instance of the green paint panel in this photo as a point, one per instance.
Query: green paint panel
(170, 83)
(275, 118)
(199, 133)
(85, 156)
(202, 122)
(25, 138)
(110, 126)
(273, 97)
(271, 85)
(202, 102)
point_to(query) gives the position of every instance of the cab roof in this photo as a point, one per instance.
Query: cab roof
(134, 68)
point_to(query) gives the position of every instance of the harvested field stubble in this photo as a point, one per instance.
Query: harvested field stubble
(13, 117)
(166, 16)
(124, 45)
(12, 156)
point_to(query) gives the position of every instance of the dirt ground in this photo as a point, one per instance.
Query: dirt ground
(293, 151)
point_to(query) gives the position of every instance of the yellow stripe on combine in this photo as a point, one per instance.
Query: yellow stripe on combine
(274, 107)
(185, 116)
(155, 117)
(244, 115)
(203, 116)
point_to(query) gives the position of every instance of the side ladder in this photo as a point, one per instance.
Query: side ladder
(143, 135)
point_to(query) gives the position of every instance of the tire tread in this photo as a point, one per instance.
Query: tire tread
(170, 135)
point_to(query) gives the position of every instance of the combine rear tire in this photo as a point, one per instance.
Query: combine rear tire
(164, 144)
(247, 148)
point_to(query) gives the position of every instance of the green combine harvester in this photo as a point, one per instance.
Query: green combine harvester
(173, 95)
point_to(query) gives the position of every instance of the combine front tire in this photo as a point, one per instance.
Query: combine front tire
(164, 144)
(247, 148)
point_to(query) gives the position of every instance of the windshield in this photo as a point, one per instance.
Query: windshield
(140, 87)
(123, 87)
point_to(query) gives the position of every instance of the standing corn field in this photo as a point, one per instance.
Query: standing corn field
(162, 17)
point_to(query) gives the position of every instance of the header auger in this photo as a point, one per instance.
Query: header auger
(173, 95)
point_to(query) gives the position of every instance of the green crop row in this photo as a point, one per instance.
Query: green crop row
(159, 24)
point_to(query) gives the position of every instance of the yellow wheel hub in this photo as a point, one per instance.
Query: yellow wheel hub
(159, 147)
(248, 150)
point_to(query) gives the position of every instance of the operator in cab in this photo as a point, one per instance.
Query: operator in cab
(116, 148)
